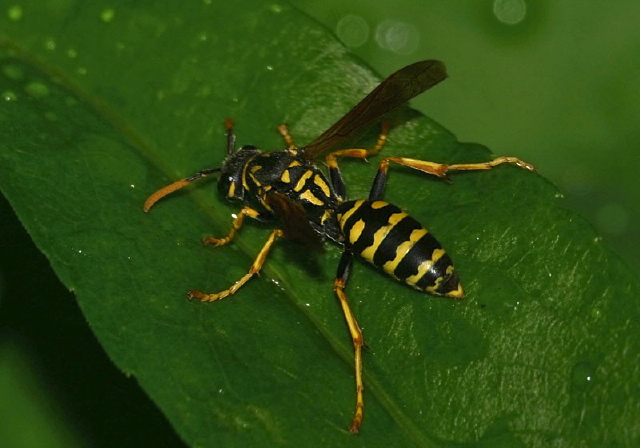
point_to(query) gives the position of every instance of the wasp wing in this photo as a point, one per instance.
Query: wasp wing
(394, 91)
(294, 221)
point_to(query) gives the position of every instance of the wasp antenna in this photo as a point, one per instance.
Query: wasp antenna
(231, 137)
(155, 197)
(164, 191)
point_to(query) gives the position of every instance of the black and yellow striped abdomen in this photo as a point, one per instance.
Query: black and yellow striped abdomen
(390, 239)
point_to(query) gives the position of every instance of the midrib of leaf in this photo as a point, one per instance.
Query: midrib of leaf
(137, 142)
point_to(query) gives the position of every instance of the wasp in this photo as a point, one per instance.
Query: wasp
(287, 188)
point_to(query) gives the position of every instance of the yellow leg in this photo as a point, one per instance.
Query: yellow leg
(337, 182)
(284, 132)
(356, 336)
(331, 158)
(440, 169)
(235, 226)
(255, 268)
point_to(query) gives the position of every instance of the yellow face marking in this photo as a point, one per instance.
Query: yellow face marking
(379, 204)
(343, 218)
(381, 234)
(245, 184)
(285, 177)
(402, 250)
(308, 196)
(303, 180)
(319, 181)
(255, 181)
(356, 231)
(294, 163)
(232, 189)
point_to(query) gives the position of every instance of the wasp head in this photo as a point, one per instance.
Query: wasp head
(230, 183)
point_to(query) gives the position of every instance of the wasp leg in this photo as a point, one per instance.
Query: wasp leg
(356, 335)
(254, 269)
(436, 169)
(332, 161)
(155, 197)
(284, 132)
(235, 226)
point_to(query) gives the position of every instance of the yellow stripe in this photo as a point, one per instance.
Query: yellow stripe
(294, 163)
(379, 204)
(356, 231)
(402, 250)
(285, 177)
(326, 215)
(308, 196)
(343, 218)
(434, 289)
(303, 180)
(381, 234)
(437, 254)
(457, 294)
(319, 181)
(424, 268)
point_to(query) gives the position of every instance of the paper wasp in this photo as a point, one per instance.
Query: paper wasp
(285, 186)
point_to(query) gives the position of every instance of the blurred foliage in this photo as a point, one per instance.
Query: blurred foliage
(27, 415)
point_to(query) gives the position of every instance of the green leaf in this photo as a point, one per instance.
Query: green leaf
(104, 104)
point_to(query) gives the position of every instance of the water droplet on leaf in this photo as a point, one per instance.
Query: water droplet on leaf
(13, 72)
(510, 12)
(107, 15)
(14, 13)
(582, 375)
(9, 95)
(37, 89)
(352, 30)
